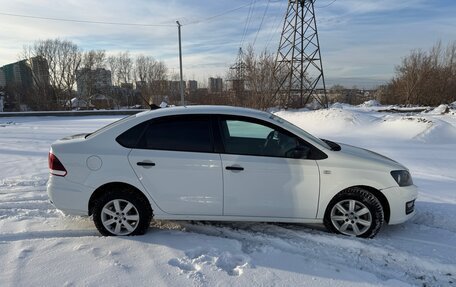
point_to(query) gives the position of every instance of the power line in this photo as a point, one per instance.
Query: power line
(122, 23)
(276, 24)
(85, 21)
(248, 21)
(261, 23)
(327, 5)
(218, 15)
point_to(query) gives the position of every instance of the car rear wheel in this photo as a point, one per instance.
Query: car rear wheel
(118, 213)
(354, 212)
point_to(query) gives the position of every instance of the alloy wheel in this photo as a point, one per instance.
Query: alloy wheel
(351, 217)
(120, 217)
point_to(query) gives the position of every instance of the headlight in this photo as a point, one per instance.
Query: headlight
(402, 177)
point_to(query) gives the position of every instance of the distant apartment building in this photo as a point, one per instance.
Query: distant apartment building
(127, 86)
(215, 85)
(2, 104)
(25, 74)
(192, 86)
(18, 75)
(40, 71)
(21, 82)
(237, 85)
(174, 89)
(2, 78)
(93, 82)
(140, 85)
(159, 89)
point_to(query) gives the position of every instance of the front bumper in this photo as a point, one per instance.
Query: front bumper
(401, 201)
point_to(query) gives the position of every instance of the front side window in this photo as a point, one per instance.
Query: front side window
(252, 138)
(181, 133)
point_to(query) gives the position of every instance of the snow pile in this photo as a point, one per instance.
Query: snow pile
(41, 247)
(349, 123)
(401, 127)
(439, 131)
(331, 120)
(440, 110)
(370, 103)
(5, 124)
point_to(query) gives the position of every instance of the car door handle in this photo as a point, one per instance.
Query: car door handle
(145, 163)
(234, 167)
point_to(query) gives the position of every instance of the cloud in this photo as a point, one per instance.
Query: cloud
(358, 37)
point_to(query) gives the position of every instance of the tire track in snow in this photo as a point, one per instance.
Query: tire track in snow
(27, 208)
(385, 262)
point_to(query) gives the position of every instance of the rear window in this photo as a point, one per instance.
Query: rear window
(118, 122)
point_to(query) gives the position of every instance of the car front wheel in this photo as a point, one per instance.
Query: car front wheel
(118, 213)
(354, 212)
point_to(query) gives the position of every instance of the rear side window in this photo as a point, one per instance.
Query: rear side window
(131, 137)
(179, 133)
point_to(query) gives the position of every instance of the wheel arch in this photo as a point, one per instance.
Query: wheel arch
(377, 193)
(114, 185)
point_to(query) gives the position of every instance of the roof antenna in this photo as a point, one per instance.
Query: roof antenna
(151, 106)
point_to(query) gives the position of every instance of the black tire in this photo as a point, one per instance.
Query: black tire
(141, 209)
(354, 221)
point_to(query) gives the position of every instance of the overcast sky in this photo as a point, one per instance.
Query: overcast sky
(361, 40)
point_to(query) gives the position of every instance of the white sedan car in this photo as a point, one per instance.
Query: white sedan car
(224, 164)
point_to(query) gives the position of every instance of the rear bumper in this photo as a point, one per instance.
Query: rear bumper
(69, 197)
(400, 200)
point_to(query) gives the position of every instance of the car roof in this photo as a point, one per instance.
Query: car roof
(206, 109)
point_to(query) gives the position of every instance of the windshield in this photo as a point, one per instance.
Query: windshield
(298, 130)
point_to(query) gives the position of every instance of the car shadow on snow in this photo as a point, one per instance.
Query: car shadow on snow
(50, 234)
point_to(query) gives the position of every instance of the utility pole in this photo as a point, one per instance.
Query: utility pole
(181, 83)
(298, 68)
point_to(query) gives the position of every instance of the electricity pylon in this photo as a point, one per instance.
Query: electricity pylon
(298, 66)
(238, 77)
(239, 68)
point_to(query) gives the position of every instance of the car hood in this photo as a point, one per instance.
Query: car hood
(365, 154)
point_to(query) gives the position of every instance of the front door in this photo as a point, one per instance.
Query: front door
(266, 172)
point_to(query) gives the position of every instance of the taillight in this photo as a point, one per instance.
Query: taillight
(55, 166)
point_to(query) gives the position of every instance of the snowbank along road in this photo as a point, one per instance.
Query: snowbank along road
(41, 247)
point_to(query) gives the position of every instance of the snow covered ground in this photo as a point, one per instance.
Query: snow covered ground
(41, 247)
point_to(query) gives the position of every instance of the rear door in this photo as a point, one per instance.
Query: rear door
(176, 163)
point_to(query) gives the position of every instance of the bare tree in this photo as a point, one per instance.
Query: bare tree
(69, 64)
(260, 79)
(124, 67)
(424, 78)
(87, 76)
(150, 73)
(94, 59)
(142, 67)
(113, 66)
(63, 58)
